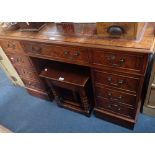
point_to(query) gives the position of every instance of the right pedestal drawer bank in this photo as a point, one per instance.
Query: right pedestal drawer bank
(118, 78)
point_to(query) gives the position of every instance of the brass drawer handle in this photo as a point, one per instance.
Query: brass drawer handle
(120, 82)
(66, 53)
(119, 109)
(114, 105)
(71, 57)
(36, 49)
(114, 98)
(77, 54)
(111, 61)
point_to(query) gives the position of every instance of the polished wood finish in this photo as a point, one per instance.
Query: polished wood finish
(117, 66)
(116, 96)
(11, 46)
(119, 60)
(124, 82)
(126, 30)
(20, 60)
(57, 52)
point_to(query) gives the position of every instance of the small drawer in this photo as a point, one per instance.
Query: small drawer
(116, 96)
(34, 85)
(118, 81)
(114, 107)
(119, 60)
(70, 53)
(11, 46)
(26, 73)
(20, 60)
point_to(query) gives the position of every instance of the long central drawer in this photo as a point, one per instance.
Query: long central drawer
(58, 52)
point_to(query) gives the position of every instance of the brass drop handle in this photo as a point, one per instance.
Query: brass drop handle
(77, 54)
(120, 82)
(36, 49)
(66, 53)
(119, 109)
(111, 61)
(122, 60)
(114, 98)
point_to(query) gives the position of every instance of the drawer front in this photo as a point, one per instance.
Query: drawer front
(114, 107)
(11, 46)
(75, 54)
(33, 85)
(116, 96)
(118, 81)
(20, 60)
(26, 73)
(122, 61)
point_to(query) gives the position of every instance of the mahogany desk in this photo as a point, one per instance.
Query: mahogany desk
(118, 68)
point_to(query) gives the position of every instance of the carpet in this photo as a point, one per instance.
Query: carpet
(23, 113)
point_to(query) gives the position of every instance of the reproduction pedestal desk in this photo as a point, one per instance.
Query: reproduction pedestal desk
(119, 68)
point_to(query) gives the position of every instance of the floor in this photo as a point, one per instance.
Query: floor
(4, 129)
(21, 112)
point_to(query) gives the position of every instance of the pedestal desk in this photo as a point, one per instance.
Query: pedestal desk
(119, 68)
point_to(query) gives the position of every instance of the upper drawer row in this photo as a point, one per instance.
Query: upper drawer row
(97, 57)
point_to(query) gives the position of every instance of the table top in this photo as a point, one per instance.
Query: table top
(51, 34)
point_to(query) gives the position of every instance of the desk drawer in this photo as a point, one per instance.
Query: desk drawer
(119, 60)
(70, 53)
(20, 60)
(11, 46)
(116, 96)
(118, 81)
(114, 107)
